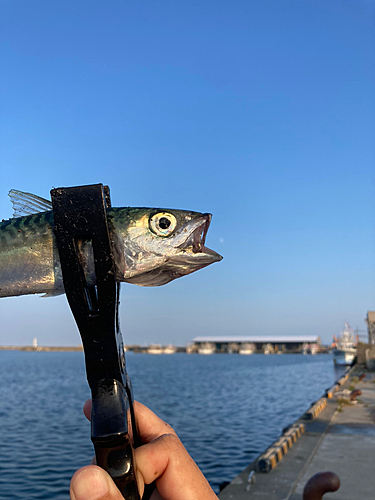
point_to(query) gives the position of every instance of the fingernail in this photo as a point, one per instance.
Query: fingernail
(90, 484)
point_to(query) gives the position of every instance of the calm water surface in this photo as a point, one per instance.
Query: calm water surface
(225, 408)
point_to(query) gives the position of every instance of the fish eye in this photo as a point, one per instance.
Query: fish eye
(163, 223)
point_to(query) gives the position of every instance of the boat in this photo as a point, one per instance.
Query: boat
(268, 349)
(314, 349)
(207, 348)
(191, 349)
(169, 349)
(155, 349)
(344, 347)
(233, 347)
(310, 349)
(247, 348)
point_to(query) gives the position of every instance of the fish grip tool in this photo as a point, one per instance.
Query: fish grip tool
(80, 215)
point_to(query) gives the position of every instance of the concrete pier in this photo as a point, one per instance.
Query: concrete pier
(341, 439)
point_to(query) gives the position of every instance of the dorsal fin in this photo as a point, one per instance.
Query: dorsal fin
(27, 203)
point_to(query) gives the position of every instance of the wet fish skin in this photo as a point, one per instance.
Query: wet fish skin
(28, 256)
(145, 253)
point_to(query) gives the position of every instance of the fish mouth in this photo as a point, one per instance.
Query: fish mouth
(195, 241)
(198, 237)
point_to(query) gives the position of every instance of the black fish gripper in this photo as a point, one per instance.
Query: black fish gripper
(80, 217)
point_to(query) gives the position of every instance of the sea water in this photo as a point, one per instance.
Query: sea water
(226, 409)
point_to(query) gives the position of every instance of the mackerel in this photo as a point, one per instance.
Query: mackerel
(151, 247)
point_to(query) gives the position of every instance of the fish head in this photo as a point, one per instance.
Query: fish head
(156, 246)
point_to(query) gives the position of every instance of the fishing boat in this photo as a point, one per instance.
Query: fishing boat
(314, 349)
(233, 347)
(268, 349)
(155, 349)
(344, 347)
(169, 349)
(191, 349)
(207, 348)
(247, 348)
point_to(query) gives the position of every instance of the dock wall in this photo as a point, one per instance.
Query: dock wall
(330, 435)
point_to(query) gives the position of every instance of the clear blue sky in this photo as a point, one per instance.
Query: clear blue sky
(260, 112)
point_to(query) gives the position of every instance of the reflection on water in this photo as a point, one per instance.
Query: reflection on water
(225, 408)
(339, 371)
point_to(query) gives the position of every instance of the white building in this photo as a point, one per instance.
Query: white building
(280, 343)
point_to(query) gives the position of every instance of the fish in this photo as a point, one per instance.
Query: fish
(151, 247)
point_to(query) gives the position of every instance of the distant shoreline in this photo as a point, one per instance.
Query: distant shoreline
(41, 348)
(132, 348)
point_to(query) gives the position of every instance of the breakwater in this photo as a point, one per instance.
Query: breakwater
(31, 348)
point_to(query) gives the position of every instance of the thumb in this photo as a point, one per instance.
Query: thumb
(93, 483)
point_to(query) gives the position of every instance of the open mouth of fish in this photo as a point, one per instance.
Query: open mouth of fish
(195, 242)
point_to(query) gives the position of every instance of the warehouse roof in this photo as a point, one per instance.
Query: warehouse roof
(259, 338)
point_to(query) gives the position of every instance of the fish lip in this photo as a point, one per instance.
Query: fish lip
(195, 241)
(199, 234)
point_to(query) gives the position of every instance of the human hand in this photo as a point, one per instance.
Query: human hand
(163, 458)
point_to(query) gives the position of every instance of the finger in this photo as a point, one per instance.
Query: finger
(93, 483)
(150, 426)
(177, 476)
(87, 409)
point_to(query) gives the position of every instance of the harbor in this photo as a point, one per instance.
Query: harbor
(331, 446)
(337, 434)
(343, 347)
(225, 408)
(258, 426)
(245, 345)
